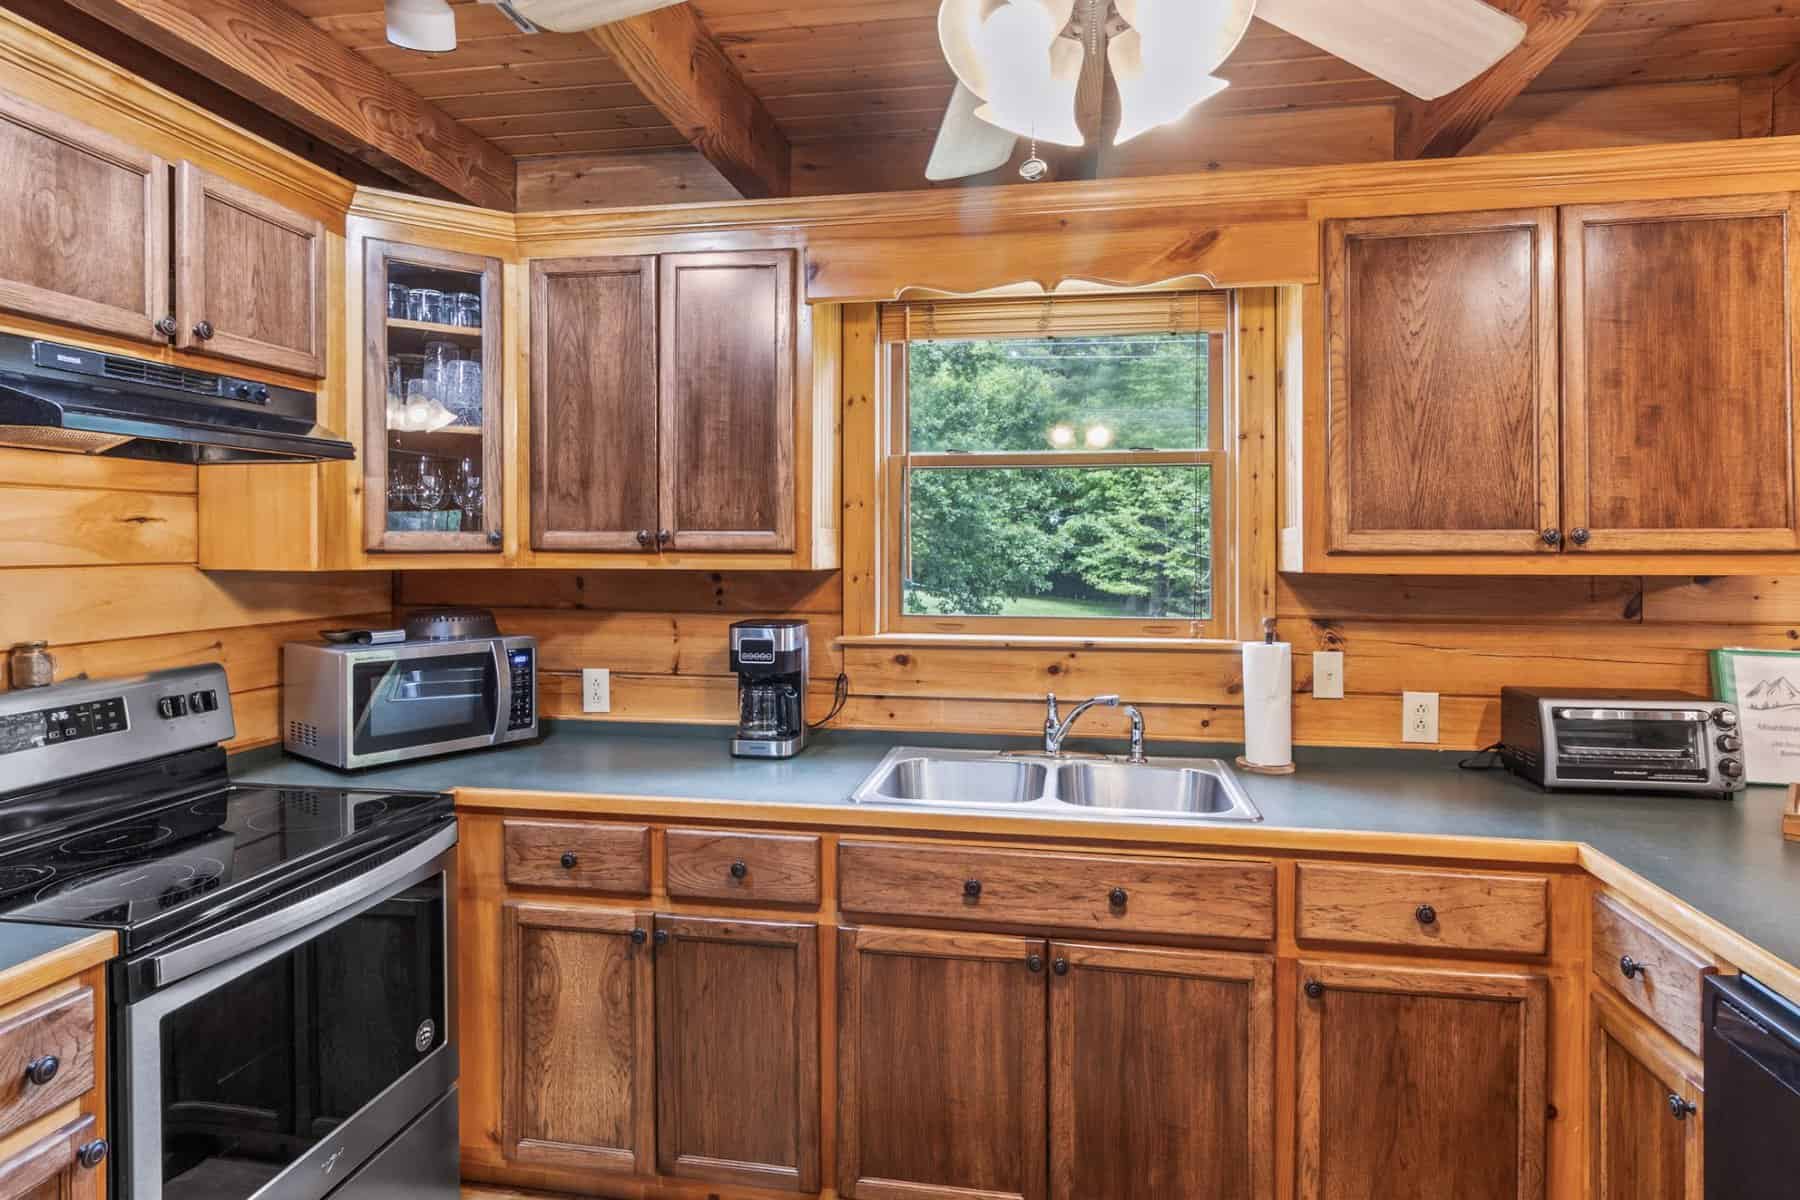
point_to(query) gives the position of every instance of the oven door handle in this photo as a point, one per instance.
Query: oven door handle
(183, 961)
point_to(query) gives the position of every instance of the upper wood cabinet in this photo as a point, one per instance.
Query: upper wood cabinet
(1678, 375)
(664, 403)
(85, 239)
(941, 1066)
(249, 276)
(1647, 1111)
(1162, 1070)
(1443, 1072)
(1442, 424)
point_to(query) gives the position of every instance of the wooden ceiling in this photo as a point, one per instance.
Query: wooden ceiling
(856, 88)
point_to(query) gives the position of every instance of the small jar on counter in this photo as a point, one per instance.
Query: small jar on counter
(30, 665)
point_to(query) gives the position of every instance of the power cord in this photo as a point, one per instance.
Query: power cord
(841, 697)
(1475, 761)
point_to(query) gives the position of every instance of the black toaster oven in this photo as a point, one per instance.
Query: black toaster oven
(1621, 741)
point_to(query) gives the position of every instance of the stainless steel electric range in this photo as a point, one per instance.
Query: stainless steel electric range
(282, 1009)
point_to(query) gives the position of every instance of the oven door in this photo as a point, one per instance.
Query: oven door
(428, 699)
(279, 1056)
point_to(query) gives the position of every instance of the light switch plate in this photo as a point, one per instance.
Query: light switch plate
(1419, 717)
(596, 690)
(1328, 674)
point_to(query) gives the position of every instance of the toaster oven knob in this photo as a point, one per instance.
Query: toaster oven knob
(1730, 743)
(1724, 718)
(1730, 768)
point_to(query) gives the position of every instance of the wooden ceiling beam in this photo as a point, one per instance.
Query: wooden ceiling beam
(1442, 128)
(678, 66)
(272, 56)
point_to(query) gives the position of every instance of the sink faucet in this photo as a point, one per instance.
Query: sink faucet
(1056, 729)
(1137, 756)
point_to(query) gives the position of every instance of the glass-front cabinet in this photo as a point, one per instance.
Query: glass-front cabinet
(432, 444)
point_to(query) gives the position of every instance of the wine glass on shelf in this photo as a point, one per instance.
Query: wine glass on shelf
(429, 491)
(469, 495)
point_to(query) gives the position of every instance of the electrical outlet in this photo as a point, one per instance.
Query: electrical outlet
(1419, 717)
(596, 690)
(1328, 674)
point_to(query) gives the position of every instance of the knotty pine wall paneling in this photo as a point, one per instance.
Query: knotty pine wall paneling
(97, 557)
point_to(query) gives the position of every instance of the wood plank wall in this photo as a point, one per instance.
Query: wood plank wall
(664, 637)
(97, 558)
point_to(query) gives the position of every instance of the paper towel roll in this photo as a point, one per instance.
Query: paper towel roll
(1268, 704)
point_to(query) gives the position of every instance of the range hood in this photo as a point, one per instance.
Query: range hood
(57, 397)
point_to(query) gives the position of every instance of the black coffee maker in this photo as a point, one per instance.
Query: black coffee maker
(770, 658)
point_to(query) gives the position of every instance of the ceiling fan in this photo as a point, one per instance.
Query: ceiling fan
(1020, 64)
(430, 25)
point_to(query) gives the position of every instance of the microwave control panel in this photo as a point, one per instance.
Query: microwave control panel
(524, 690)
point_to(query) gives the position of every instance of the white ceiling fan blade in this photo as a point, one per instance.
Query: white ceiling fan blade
(575, 16)
(1426, 48)
(966, 144)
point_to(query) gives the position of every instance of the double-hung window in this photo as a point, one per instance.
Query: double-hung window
(1057, 467)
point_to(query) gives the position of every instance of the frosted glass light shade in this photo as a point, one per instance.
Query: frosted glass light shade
(577, 16)
(1163, 64)
(421, 25)
(1012, 55)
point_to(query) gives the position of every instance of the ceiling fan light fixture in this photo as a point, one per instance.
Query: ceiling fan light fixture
(1012, 55)
(1163, 64)
(578, 16)
(428, 25)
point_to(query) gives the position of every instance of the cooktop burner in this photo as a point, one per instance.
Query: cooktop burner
(16, 878)
(157, 886)
(120, 839)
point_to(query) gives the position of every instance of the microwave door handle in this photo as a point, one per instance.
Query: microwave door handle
(503, 676)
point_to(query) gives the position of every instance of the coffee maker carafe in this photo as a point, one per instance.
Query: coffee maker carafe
(770, 659)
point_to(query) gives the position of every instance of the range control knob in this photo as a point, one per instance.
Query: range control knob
(259, 394)
(1730, 743)
(1724, 718)
(241, 392)
(1731, 768)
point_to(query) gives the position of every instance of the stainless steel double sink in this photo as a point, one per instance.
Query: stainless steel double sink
(1068, 786)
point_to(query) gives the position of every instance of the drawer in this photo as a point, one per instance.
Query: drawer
(580, 856)
(745, 868)
(57, 1039)
(1430, 910)
(56, 1167)
(1658, 975)
(1212, 898)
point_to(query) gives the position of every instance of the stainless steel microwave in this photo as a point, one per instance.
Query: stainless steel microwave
(355, 706)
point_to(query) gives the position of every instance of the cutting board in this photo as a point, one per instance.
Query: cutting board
(1790, 820)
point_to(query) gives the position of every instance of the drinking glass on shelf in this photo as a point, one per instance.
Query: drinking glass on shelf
(464, 390)
(469, 496)
(438, 358)
(428, 492)
(418, 405)
(425, 304)
(465, 310)
(399, 488)
(397, 300)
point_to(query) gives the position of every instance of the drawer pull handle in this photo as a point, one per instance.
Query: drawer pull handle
(1427, 915)
(1119, 896)
(739, 869)
(204, 331)
(1034, 963)
(42, 1071)
(569, 861)
(92, 1154)
(1314, 989)
(1060, 966)
(972, 888)
(1631, 968)
(1680, 1107)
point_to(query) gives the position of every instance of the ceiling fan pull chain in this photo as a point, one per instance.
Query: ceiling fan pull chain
(1033, 168)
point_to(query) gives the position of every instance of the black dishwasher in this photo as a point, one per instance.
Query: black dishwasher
(1752, 1092)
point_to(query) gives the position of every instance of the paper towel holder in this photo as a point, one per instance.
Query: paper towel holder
(1244, 764)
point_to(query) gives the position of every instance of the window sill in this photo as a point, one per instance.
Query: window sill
(997, 641)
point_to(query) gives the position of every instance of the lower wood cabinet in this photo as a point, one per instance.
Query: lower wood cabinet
(737, 1051)
(1647, 1111)
(1420, 1084)
(69, 1164)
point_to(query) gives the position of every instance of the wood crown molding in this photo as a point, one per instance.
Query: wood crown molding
(439, 216)
(65, 67)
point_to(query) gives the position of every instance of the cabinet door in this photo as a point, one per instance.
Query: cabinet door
(1647, 1111)
(593, 404)
(1162, 1069)
(1678, 388)
(727, 338)
(577, 1017)
(941, 1059)
(249, 276)
(67, 1165)
(737, 1062)
(1442, 415)
(86, 236)
(1417, 1084)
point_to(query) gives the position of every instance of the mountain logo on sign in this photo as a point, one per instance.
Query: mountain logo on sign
(1778, 692)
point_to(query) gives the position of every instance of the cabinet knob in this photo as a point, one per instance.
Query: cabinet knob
(92, 1154)
(639, 937)
(42, 1071)
(1118, 896)
(1631, 968)
(972, 888)
(664, 537)
(644, 538)
(739, 869)
(662, 937)
(1060, 966)
(167, 327)
(1034, 963)
(1680, 1107)
(204, 331)
(1552, 537)
(569, 861)
(495, 537)
(1427, 915)
(1314, 989)
(1579, 536)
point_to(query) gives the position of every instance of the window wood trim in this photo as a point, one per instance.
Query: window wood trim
(1058, 316)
